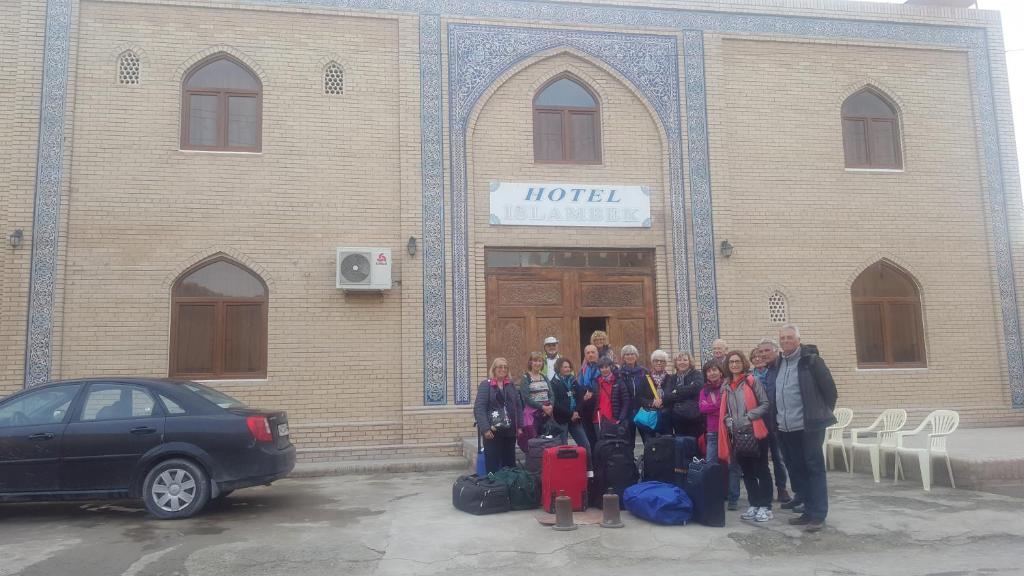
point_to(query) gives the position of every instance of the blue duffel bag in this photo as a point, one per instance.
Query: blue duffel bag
(658, 502)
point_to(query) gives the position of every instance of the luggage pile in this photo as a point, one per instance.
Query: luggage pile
(677, 487)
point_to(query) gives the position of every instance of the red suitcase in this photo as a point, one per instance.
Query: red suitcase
(564, 470)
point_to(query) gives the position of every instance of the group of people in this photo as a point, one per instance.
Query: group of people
(774, 404)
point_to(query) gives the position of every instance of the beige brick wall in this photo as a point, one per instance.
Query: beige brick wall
(21, 47)
(142, 210)
(803, 224)
(346, 171)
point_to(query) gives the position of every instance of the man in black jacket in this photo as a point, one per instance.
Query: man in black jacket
(805, 395)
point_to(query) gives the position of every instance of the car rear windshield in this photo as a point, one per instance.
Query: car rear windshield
(219, 398)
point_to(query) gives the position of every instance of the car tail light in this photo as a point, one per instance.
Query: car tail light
(259, 426)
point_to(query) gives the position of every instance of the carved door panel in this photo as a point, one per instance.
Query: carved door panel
(526, 305)
(626, 299)
(523, 309)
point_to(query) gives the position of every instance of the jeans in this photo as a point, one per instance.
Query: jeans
(735, 473)
(500, 452)
(806, 464)
(711, 440)
(632, 430)
(579, 435)
(757, 478)
(774, 445)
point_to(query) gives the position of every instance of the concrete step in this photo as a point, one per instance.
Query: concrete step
(342, 468)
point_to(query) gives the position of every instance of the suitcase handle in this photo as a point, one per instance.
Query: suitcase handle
(567, 453)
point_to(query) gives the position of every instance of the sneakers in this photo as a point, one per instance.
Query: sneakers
(799, 521)
(784, 496)
(751, 513)
(764, 515)
(793, 502)
(733, 506)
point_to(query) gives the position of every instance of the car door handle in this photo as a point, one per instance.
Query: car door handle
(41, 436)
(142, 430)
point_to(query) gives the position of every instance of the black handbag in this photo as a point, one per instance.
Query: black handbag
(500, 421)
(744, 443)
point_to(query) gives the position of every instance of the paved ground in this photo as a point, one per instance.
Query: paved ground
(404, 524)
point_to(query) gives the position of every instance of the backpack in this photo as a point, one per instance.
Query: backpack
(659, 502)
(523, 491)
(614, 468)
(660, 459)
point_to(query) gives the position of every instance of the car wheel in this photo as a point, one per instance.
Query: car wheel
(175, 489)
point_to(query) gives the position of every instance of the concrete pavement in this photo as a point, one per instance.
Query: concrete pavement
(397, 524)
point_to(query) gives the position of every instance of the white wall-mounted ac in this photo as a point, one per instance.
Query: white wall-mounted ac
(364, 268)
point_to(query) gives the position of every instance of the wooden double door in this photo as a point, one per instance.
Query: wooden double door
(526, 305)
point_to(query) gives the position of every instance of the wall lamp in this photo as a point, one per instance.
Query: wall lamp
(411, 246)
(726, 248)
(16, 237)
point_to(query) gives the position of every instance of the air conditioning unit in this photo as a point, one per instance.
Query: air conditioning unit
(364, 269)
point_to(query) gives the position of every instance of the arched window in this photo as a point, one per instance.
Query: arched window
(128, 68)
(221, 107)
(871, 132)
(219, 323)
(566, 123)
(334, 79)
(887, 318)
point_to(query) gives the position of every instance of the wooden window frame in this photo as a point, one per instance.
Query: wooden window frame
(868, 122)
(223, 97)
(566, 113)
(884, 302)
(219, 330)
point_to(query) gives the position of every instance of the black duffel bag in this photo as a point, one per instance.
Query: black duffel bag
(480, 495)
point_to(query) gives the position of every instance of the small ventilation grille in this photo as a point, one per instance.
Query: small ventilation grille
(334, 79)
(777, 308)
(128, 68)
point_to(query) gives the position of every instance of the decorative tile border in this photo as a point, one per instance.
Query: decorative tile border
(435, 347)
(46, 213)
(700, 190)
(477, 56)
(974, 40)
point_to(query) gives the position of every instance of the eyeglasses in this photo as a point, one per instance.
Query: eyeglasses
(736, 361)
(660, 361)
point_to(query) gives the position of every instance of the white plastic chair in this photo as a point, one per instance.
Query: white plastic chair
(834, 436)
(943, 423)
(888, 423)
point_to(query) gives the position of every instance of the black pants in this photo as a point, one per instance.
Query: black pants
(589, 427)
(756, 477)
(500, 452)
(806, 464)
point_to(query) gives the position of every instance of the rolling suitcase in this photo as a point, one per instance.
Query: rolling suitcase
(535, 453)
(480, 495)
(660, 460)
(686, 450)
(564, 470)
(705, 485)
(614, 468)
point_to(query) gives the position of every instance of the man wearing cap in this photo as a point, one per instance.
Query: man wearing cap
(551, 353)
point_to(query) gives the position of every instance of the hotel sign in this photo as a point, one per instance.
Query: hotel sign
(601, 205)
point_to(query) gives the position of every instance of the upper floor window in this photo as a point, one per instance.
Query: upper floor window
(221, 107)
(887, 318)
(871, 132)
(566, 123)
(219, 323)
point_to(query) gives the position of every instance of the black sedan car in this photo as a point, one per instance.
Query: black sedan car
(175, 444)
